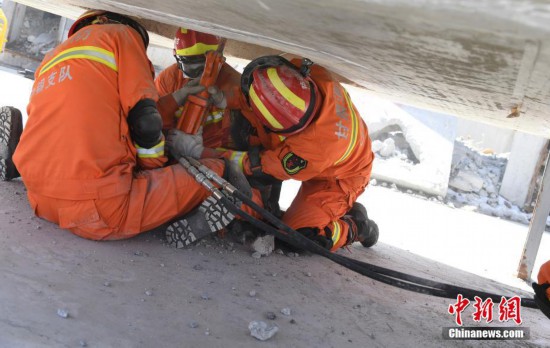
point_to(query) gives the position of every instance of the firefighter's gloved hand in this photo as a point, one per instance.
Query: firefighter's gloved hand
(192, 87)
(182, 144)
(217, 98)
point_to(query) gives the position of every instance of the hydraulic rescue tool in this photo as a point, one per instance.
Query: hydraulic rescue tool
(196, 107)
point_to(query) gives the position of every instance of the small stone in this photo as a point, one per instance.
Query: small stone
(63, 313)
(107, 284)
(264, 245)
(138, 253)
(162, 265)
(149, 293)
(193, 324)
(252, 293)
(308, 274)
(207, 333)
(256, 255)
(270, 315)
(279, 251)
(260, 330)
(83, 343)
(197, 267)
(285, 311)
(205, 296)
(292, 321)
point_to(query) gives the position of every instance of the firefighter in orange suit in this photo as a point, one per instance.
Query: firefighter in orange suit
(190, 48)
(92, 152)
(309, 130)
(542, 289)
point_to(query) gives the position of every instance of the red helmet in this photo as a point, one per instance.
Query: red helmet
(283, 98)
(190, 44)
(101, 17)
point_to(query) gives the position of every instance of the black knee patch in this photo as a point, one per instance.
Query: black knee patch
(145, 123)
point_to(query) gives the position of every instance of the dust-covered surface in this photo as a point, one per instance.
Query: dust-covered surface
(142, 293)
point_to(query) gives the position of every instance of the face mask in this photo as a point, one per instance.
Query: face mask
(192, 71)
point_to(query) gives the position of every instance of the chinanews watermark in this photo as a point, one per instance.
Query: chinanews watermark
(509, 311)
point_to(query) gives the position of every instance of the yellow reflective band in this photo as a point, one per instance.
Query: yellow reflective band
(214, 117)
(183, 30)
(154, 152)
(237, 158)
(354, 129)
(196, 49)
(281, 138)
(83, 52)
(335, 232)
(267, 115)
(284, 91)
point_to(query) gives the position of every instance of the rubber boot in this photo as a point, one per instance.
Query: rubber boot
(210, 216)
(362, 229)
(11, 127)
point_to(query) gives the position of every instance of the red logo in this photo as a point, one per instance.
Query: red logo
(508, 309)
(458, 308)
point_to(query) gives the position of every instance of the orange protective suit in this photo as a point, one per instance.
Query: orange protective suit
(76, 157)
(216, 132)
(332, 157)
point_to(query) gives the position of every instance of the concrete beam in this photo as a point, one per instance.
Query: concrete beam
(536, 227)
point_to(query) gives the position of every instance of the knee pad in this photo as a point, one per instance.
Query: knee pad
(145, 124)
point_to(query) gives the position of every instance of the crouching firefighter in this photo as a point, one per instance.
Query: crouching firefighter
(542, 289)
(92, 153)
(305, 127)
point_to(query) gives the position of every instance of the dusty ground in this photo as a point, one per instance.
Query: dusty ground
(142, 293)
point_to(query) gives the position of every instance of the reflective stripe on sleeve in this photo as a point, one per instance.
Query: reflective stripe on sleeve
(214, 117)
(237, 158)
(154, 152)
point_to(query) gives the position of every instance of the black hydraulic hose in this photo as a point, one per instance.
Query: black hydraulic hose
(354, 267)
(294, 237)
(289, 235)
(391, 277)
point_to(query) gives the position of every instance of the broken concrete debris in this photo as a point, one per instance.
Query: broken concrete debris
(261, 331)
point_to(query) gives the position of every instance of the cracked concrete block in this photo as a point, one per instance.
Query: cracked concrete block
(264, 245)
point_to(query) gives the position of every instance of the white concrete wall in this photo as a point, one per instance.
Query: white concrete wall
(420, 128)
(160, 56)
(522, 162)
(484, 136)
